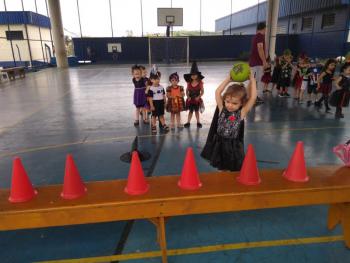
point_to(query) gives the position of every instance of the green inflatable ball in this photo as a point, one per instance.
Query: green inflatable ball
(240, 72)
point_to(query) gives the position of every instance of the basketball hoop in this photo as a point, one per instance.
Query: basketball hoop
(170, 16)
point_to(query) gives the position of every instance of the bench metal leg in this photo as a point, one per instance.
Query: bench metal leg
(340, 213)
(159, 222)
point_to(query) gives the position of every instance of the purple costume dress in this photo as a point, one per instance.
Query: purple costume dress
(140, 99)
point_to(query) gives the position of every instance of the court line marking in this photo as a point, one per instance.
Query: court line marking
(204, 249)
(130, 223)
(49, 147)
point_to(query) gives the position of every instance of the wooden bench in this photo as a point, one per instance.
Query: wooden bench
(11, 72)
(106, 201)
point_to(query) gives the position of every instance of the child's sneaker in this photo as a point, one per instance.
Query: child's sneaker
(259, 100)
(165, 128)
(154, 129)
(199, 125)
(318, 104)
(309, 103)
(136, 123)
(187, 125)
(339, 115)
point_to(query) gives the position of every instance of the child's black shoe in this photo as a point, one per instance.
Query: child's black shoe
(154, 129)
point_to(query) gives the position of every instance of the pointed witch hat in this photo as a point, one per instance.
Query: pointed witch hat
(154, 74)
(194, 70)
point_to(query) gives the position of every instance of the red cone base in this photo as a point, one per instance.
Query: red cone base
(296, 171)
(137, 184)
(189, 177)
(73, 186)
(21, 188)
(249, 174)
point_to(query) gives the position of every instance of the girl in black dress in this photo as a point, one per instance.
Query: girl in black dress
(285, 74)
(340, 98)
(224, 147)
(276, 73)
(324, 83)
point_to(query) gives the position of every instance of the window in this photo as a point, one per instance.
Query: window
(14, 35)
(328, 20)
(281, 29)
(294, 26)
(306, 23)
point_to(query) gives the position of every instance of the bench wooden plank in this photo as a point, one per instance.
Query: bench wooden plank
(106, 201)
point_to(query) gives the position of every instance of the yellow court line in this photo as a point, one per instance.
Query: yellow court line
(204, 249)
(49, 147)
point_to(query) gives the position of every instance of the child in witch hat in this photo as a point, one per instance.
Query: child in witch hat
(156, 95)
(224, 148)
(194, 93)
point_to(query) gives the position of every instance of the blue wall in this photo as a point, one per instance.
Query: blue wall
(218, 47)
(10, 64)
(135, 49)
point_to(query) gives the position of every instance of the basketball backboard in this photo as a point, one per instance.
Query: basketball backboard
(114, 47)
(170, 16)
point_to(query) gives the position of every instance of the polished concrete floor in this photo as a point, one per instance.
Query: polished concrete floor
(88, 111)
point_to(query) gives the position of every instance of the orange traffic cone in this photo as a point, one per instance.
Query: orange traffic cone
(21, 188)
(189, 177)
(249, 174)
(296, 170)
(137, 183)
(73, 186)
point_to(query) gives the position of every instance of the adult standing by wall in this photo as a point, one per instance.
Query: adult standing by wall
(257, 60)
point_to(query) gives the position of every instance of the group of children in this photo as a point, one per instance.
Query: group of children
(151, 97)
(224, 148)
(317, 80)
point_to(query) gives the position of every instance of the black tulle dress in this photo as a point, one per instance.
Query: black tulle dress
(224, 148)
(340, 98)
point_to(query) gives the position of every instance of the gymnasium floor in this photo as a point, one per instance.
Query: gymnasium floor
(88, 111)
